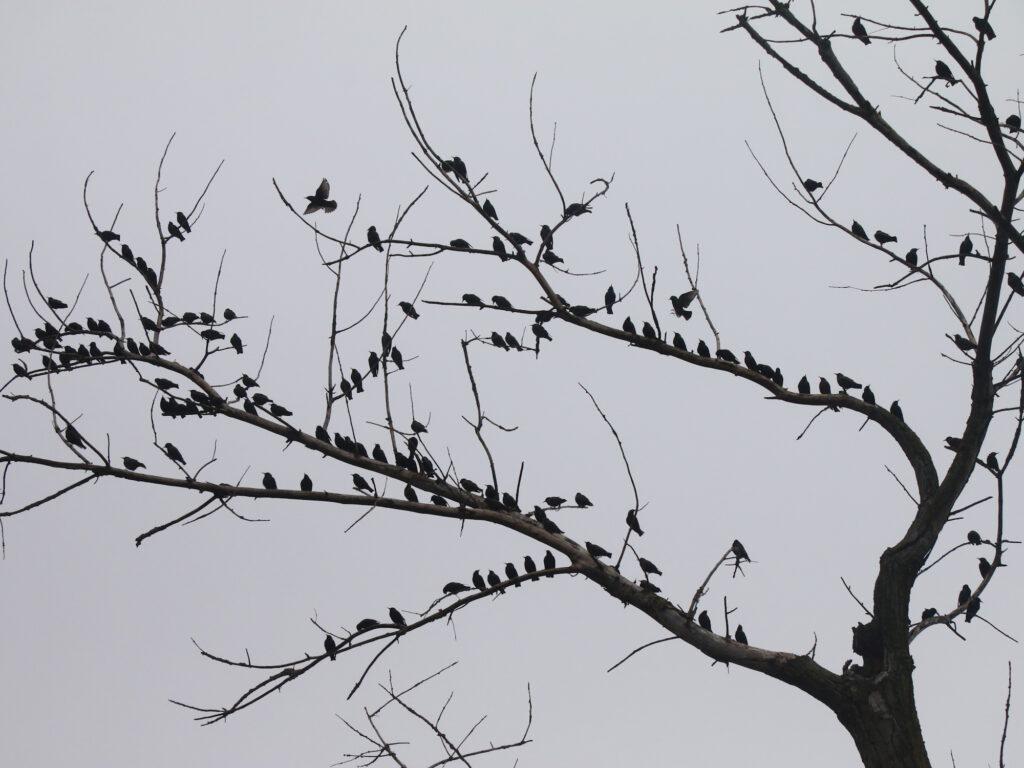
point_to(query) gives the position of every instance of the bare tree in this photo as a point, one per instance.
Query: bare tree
(170, 350)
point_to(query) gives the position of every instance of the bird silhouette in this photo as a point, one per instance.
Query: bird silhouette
(547, 237)
(966, 249)
(811, 186)
(460, 244)
(540, 332)
(493, 580)
(858, 231)
(397, 618)
(984, 567)
(860, 32)
(360, 483)
(132, 464)
(582, 501)
(374, 239)
(306, 484)
(549, 563)
(633, 523)
(726, 355)
(175, 232)
(972, 609)
(911, 257)
(1015, 283)
(596, 550)
(648, 567)
(678, 342)
(1012, 123)
(895, 410)
(182, 220)
(410, 494)
(478, 581)
(512, 574)
(319, 200)
(984, 28)
(489, 212)
(845, 382)
(741, 636)
(454, 588)
(269, 482)
(803, 386)
(704, 620)
(964, 596)
(868, 396)
(396, 358)
(884, 238)
(530, 567)
(739, 551)
(628, 327)
(409, 310)
(498, 246)
(367, 624)
(702, 349)
(554, 501)
(331, 647)
(609, 299)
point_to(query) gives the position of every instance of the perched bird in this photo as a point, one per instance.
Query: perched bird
(269, 482)
(929, 613)
(478, 581)
(279, 410)
(966, 249)
(992, 462)
(501, 302)
(547, 237)
(576, 209)
(648, 567)
(972, 609)
(984, 28)
(582, 501)
(378, 454)
(175, 232)
(519, 240)
(357, 379)
(236, 343)
(508, 501)
(984, 567)
(410, 494)
(493, 580)
(549, 563)
(319, 200)
(739, 551)
(704, 620)
(469, 486)
(454, 588)
(911, 257)
(458, 167)
(417, 428)
(373, 362)
(360, 483)
(460, 244)
(73, 436)
(396, 617)
(973, 537)
(678, 342)
(628, 327)
(648, 586)
(472, 300)
(498, 246)
(548, 523)
(164, 384)
(489, 212)
(107, 236)
(374, 239)
(884, 238)
(823, 386)
(633, 523)
(954, 443)
(512, 574)
(331, 647)
(609, 299)
(702, 349)
(895, 410)
(1012, 123)
(845, 382)
(55, 304)
(860, 32)
(530, 567)
(439, 501)
(409, 310)
(540, 332)
(1015, 283)
(811, 185)
(396, 358)
(512, 341)
(803, 386)
(550, 257)
(132, 464)
(182, 220)
(306, 484)
(964, 345)
(554, 501)
(741, 636)
(366, 625)
(858, 231)
(965, 595)
(726, 355)
(596, 550)
(943, 72)
(750, 362)
(868, 396)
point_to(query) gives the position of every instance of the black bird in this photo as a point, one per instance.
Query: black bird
(378, 454)
(576, 209)
(269, 482)
(868, 396)
(498, 246)
(984, 567)
(884, 238)
(360, 483)
(972, 609)
(460, 244)
(478, 581)
(73, 436)
(858, 231)
(739, 551)
(55, 304)
(519, 240)
(845, 382)
(702, 349)
(954, 443)
(540, 332)
(943, 72)
(648, 567)
(417, 428)
(175, 232)
(1012, 123)
(396, 617)
(512, 573)
(811, 185)
(366, 625)
(823, 386)
(126, 254)
(750, 362)
(704, 620)
(550, 257)
(1015, 283)
(741, 636)
(107, 236)
(648, 586)
(596, 550)
(966, 249)
(554, 501)
(491, 495)
(582, 501)
(236, 343)
(628, 327)
(508, 501)
(546, 237)
(609, 299)
(331, 647)
(409, 310)
(306, 484)
(895, 410)
(929, 613)
(164, 384)
(648, 331)
(319, 200)
(410, 493)
(489, 212)
(182, 220)
(860, 32)
(458, 167)
(279, 410)
(777, 377)
(548, 523)
(374, 364)
(260, 399)
(454, 588)
(965, 595)
(374, 239)
(911, 257)
(992, 462)
(472, 300)
(501, 302)
(678, 341)
(357, 379)
(530, 567)
(132, 464)
(973, 537)
(803, 386)
(439, 501)
(396, 358)
(984, 28)
(512, 341)
(229, 314)
(493, 580)
(549, 563)
(726, 355)
(633, 523)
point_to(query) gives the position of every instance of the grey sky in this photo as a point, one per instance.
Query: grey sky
(95, 634)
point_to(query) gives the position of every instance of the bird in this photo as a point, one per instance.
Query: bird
(72, 435)
(596, 550)
(549, 563)
(648, 567)
(726, 355)
(868, 396)
(236, 343)
(132, 464)
(811, 185)
(164, 384)
(454, 588)
(845, 382)
(860, 32)
(530, 567)
(895, 410)
(858, 231)
(554, 501)
(823, 386)
(519, 240)
(681, 302)
(992, 462)
(609, 299)
(501, 303)
(319, 200)
(460, 244)
(1012, 123)
(175, 232)
(739, 551)
(582, 501)
(360, 483)
(55, 304)
(678, 341)
(396, 617)
(628, 327)
(884, 238)
(966, 249)
(965, 595)
(182, 220)
(1015, 283)
(469, 486)
(702, 349)
(508, 501)
(974, 538)
(633, 523)
(279, 410)
(547, 237)
(512, 341)
(984, 28)
(911, 257)
(512, 574)
(306, 484)
(741, 636)
(269, 482)
(576, 209)
(458, 167)
(803, 386)
(498, 246)
(972, 609)
(648, 586)
(374, 239)
(410, 494)
(493, 580)
(984, 567)
(929, 613)
(366, 625)
(540, 332)
(472, 300)
(331, 647)
(964, 345)
(373, 361)
(409, 310)
(954, 443)
(943, 72)
(704, 620)
(749, 361)
(489, 212)
(396, 358)
(478, 581)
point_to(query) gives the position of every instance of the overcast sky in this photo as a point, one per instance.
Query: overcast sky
(95, 634)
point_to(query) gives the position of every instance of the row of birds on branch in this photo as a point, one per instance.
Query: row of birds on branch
(981, 23)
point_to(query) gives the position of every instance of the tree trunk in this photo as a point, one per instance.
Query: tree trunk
(882, 718)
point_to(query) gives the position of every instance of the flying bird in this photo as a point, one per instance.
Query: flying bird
(319, 200)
